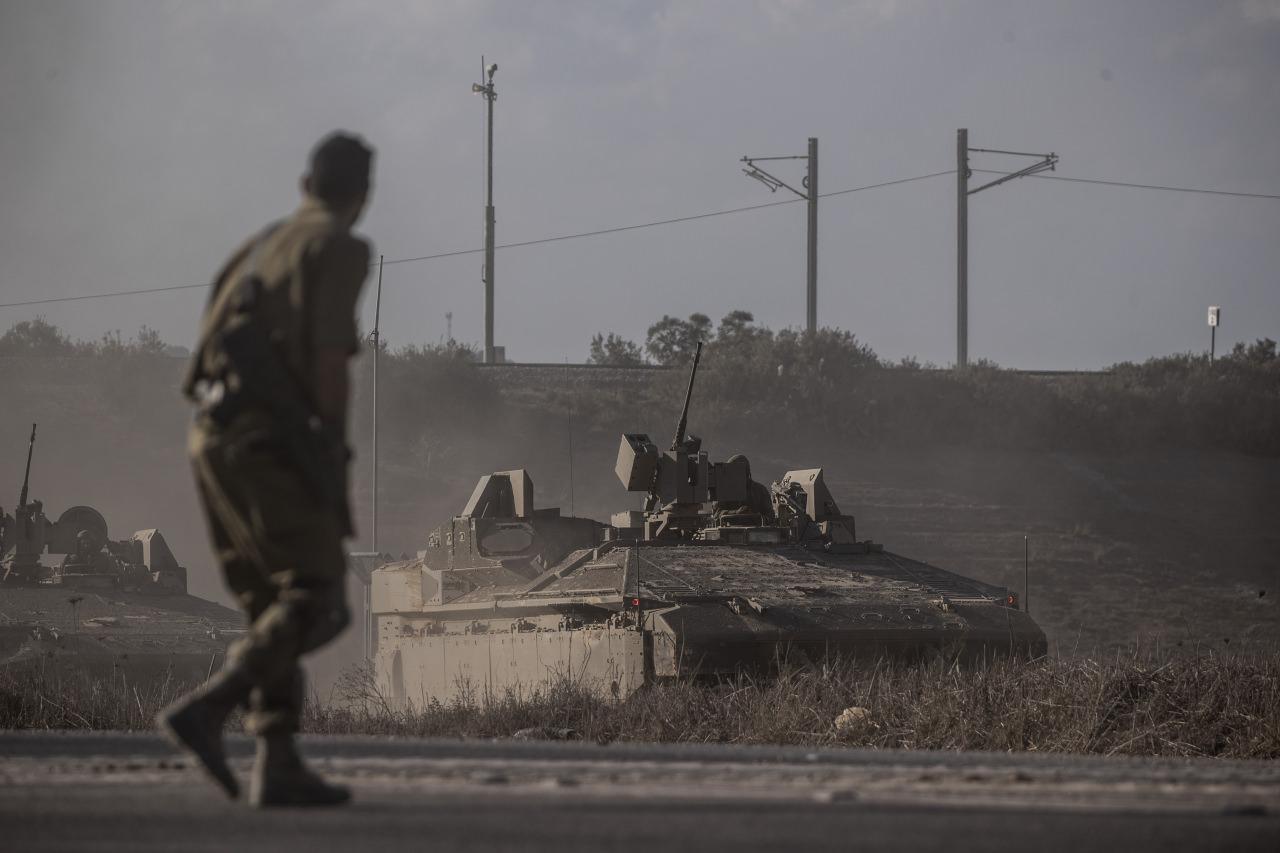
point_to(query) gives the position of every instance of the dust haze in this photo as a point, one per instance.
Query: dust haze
(1161, 545)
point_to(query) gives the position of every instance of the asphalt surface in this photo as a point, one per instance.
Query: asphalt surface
(110, 791)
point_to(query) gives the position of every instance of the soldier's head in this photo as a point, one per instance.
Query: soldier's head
(338, 174)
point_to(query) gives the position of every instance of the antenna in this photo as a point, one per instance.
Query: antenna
(377, 351)
(367, 639)
(1026, 574)
(570, 431)
(688, 395)
(636, 601)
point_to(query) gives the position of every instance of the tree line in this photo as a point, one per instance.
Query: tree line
(770, 386)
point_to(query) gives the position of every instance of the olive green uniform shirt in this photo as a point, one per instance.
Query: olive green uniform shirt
(312, 269)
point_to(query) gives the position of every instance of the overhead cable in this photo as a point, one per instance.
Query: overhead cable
(1198, 190)
(459, 252)
(673, 221)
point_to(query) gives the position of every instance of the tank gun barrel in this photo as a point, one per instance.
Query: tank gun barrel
(26, 478)
(688, 396)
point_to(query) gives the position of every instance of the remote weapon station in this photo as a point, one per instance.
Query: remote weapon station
(716, 575)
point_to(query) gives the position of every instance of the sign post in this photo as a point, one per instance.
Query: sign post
(1215, 313)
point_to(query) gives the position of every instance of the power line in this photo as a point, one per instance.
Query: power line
(1198, 190)
(673, 221)
(521, 244)
(888, 183)
(601, 232)
(103, 295)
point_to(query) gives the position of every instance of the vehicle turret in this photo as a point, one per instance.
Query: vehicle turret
(90, 558)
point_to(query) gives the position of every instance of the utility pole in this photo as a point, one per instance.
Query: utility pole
(1044, 162)
(1215, 315)
(811, 187)
(810, 194)
(962, 247)
(490, 95)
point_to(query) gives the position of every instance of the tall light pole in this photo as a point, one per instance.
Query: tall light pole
(1045, 162)
(490, 95)
(810, 184)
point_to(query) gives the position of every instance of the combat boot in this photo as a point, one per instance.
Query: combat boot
(194, 723)
(280, 778)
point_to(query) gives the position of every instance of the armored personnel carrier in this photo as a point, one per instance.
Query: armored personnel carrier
(99, 604)
(715, 575)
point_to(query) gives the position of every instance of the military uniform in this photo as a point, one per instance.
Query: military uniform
(279, 545)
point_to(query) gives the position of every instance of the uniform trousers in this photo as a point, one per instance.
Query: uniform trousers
(282, 556)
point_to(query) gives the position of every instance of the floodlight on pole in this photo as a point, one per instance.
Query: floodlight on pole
(809, 194)
(490, 95)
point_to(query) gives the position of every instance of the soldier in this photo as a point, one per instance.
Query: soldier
(759, 499)
(268, 448)
(82, 558)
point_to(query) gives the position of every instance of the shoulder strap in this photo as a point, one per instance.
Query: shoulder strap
(248, 284)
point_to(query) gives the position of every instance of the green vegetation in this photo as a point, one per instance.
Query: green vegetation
(831, 386)
(788, 386)
(1142, 704)
(616, 351)
(39, 337)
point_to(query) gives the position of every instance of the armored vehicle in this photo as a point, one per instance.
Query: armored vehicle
(100, 604)
(715, 575)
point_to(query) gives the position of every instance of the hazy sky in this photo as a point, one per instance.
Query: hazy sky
(141, 140)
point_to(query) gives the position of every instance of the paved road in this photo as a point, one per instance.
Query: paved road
(108, 791)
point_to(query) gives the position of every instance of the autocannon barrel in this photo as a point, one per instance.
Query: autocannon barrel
(688, 396)
(26, 478)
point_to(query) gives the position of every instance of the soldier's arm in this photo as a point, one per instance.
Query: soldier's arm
(332, 385)
(341, 266)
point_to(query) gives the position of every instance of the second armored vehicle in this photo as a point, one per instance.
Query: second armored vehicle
(100, 605)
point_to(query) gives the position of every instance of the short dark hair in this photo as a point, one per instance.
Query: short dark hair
(339, 168)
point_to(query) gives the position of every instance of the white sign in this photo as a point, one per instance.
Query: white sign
(1214, 310)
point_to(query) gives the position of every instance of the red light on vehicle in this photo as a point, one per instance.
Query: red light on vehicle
(1011, 600)
(635, 602)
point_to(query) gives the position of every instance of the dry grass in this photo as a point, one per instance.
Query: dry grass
(1212, 705)
(32, 698)
(1208, 705)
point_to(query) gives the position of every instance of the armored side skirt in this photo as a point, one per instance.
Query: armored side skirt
(684, 641)
(701, 640)
(418, 669)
